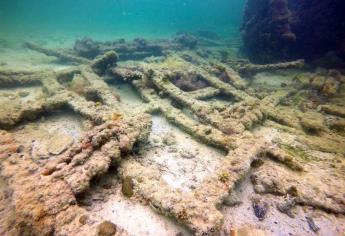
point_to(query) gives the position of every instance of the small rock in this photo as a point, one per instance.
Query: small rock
(232, 200)
(286, 207)
(208, 130)
(283, 85)
(83, 219)
(40, 151)
(87, 201)
(155, 140)
(59, 143)
(127, 186)
(186, 154)
(106, 229)
(260, 208)
(20, 148)
(169, 139)
(257, 163)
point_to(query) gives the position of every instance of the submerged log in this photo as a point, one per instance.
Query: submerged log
(251, 69)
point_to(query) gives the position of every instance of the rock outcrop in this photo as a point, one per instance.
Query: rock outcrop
(280, 30)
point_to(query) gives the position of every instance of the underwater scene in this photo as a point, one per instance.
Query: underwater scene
(172, 117)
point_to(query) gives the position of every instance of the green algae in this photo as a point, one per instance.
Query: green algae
(295, 152)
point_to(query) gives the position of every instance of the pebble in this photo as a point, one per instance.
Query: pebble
(232, 200)
(106, 228)
(155, 140)
(286, 207)
(83, 219)
(260, 209)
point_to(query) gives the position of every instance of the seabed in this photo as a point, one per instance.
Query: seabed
(168, 137)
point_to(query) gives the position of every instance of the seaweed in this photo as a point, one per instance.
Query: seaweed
(295, 151)
(224, 177)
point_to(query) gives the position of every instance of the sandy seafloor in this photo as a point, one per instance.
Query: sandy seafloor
(50, 133)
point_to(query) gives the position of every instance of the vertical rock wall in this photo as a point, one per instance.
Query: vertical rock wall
(278, 30)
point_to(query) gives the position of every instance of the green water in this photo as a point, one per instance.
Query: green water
(105, 19)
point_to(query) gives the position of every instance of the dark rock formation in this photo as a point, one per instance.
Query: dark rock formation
(101, 63)
(186, 40)
(86, 48)
(133, 50)
(278, 30)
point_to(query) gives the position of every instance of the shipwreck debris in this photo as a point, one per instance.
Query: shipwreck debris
(235, 125)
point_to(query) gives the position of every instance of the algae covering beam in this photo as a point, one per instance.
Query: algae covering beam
(100, 148)
(251, 69)
(101, 63)
(189, 208)
(29, 112)
(269, 104)
(204, 133)
(52, 198)
(64, 56)
(204, 93)
(100, 89)
(228, 119)
(162, 82)
(233, 77)
(275, 98)
(74, 101)
(333, 110)
(10, 78)
(46, 192)
(228, 89)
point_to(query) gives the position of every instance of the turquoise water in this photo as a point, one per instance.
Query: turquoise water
(120, 18)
